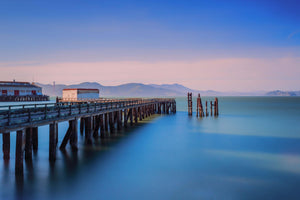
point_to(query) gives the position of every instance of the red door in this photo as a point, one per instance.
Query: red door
(4, 92)
(17, 92)
(33, 92)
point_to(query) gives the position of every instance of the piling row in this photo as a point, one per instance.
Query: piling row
(214, 107)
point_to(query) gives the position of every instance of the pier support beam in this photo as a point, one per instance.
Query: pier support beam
(101, 126)
(28, 144)
(125, 118)
(88, 130)
(81, 125)
(52, 141)
(106, 122)
(119, 120)
(96, 126)
(35, 141)
(74, 135)
(19, 153)
(131, 116)
(135, 115)
(111, 122)
(6, 145)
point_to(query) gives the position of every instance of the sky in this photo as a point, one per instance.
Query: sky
(246, 45)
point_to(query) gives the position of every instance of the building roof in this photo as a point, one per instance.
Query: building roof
(18, 84)
(81, 89)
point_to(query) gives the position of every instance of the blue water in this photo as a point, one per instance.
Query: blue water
(251, 151)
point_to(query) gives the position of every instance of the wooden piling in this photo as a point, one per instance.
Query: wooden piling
(6, 145)
(206, 109)
(101, 126)
(74, 134)
(119, 122)
(96, 126)
(190, 103)
(111, 122)
(131, 117)
(19, 153)
(88, 131)
(106, 122)
(52, 141)
(125, 118)
(211, 107)
(35, 141)
(81, 125)
(28, 144)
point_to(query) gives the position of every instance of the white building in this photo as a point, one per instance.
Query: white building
(77, 94)
(13, 88)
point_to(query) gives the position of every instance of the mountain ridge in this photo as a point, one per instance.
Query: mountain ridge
(148, 90)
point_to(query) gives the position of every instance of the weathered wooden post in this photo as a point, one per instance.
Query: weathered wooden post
(81, 125)
(211, 105)
(125, 118)
(111, 122)
(106, 122)
(190, 104)
(206, 108)
(19, 153)
(140, 113)
(119, 123)
(96, 126)
(135, 115)
(217, 106)
(131, 117)
(101, 126)
(52, 141)
(88, 130)
(35, 138)
(6, 145)
(74, 134)
(28, 144)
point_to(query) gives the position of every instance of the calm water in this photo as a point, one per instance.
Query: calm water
(251, 151)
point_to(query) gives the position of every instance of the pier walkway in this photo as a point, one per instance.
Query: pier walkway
(95, 117)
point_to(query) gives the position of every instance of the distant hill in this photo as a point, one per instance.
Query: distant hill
(283, 93)
(143, 90)
(130, 89)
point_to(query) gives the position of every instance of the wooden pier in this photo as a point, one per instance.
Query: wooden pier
(96, 118)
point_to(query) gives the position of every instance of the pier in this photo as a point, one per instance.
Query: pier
(96, 118)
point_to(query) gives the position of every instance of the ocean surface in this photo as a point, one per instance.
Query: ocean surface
(251, 151)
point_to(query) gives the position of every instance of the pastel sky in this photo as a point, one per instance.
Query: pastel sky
(231, 45)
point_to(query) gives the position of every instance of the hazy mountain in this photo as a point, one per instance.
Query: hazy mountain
(283, 93)
(142, 90)
(130, 89)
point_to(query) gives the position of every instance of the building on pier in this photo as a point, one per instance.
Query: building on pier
(21, 91)
(78, 94)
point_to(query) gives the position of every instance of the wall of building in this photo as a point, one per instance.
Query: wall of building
(88, 96)
(23, 91)
(80, 94)
(69, 94)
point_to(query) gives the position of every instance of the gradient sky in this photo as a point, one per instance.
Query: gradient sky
(245, 45)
